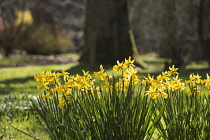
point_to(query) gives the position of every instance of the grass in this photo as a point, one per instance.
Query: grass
(17, 85)
(15, 112)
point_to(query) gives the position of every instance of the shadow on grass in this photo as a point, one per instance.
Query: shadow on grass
(17, 80)
(17, 85)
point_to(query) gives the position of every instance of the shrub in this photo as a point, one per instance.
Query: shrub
(42, 40)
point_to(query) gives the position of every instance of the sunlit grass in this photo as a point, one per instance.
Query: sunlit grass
(15, 111)
(23, 72)
(28, 125)
(198, 65)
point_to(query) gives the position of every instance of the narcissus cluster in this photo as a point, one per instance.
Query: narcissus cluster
(66, 84)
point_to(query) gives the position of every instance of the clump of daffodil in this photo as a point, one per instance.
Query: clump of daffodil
(194, 82)
(63, 83)
(169, 81)
(129, 76)
(129, 72)
(104, 77)
(127, 64)
(163, 83)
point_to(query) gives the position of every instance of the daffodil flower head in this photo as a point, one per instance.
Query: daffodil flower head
(164, 95)
(86, 74)
(172, 70)
(105, 77)
(61, 103)
(128, 63)
(197, 78)
(118, 67)
(38, 78)
(150, 80)
(100, 72)
(194, 79)
(207, 81)
(152, 90)
(48, 95)
(208, 92)
(44, 85)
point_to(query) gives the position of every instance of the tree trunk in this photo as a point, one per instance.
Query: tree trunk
(107, 36)
(204, 29)
(168, 42)
(200, 28)
(169, 47)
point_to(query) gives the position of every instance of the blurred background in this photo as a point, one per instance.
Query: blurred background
(178, 30)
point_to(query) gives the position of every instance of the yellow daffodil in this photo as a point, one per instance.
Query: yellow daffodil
(118, 67)
(172, 71)
(197, 78)
(100, 72)
(44, 85)
(38, 78)
(209, 92)
(152, 90)
(61, 103)
(188, 90)
(48, 95)
(144, 83)
(206, 82)
(63, 73)
(164, 95)
(104, 87)
(187, 81)
(105, 77)
(128, 63)
(161, 77)
(149, 80)
(157, 87)
(135, 79)
(153, 96)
